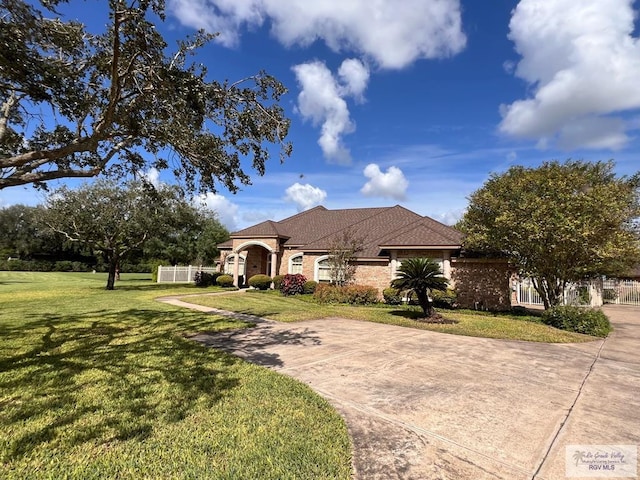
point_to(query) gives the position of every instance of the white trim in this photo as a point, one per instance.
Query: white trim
(250, 243)
(316, 269)
(242, 269)
(290, 266)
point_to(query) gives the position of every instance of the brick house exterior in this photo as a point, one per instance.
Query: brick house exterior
(300, 244)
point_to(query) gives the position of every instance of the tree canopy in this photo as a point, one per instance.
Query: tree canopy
(114, 219)
(77, 104)
(558, 223)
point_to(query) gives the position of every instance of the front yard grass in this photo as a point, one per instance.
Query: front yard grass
(97, 384)
(272, 305)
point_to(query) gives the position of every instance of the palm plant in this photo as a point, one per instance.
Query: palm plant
(421, 275)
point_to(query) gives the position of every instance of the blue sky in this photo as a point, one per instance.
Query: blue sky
(417, 102)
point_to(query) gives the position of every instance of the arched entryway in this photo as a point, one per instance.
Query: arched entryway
(259, 258)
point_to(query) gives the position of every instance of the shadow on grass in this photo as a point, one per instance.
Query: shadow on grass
(418, 316)
(103, 376)
(253, 344)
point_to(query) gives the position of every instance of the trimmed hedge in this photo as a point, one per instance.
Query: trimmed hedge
(309, 287)
(277, 282)
(225, 281)
(351, 294)
(589, 321)
(392, 296)
(447, 299)
(260, 281)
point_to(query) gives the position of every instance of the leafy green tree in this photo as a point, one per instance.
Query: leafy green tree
(111, 219)
(193, 237)
(421, 275)
(114, 95)
(558, 223)
(23, 236)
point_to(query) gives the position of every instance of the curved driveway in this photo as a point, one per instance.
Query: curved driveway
(425, 405)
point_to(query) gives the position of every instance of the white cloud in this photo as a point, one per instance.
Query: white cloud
(322, 100)
(392, 184)
(355, 77)
(393, 34)
(584, 64)
(305, 196)
(450, 217)
(151, 176)
(226, 211)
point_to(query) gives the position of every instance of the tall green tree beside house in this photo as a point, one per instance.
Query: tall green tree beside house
(122, 100)
(421, 275)
(558, 223)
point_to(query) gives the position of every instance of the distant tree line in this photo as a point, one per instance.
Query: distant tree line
(145, 226)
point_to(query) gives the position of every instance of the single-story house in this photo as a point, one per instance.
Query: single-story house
(388, 235)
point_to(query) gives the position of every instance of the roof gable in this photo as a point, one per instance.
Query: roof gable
(268, 228)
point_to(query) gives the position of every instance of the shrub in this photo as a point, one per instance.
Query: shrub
(205, 279)
(351, 294)
(62, 266)
(293, 284)
(309, 287)
(261, 282)
(447, 299)
(361, 294)
(589, 321)
(392, 296)
(277, 282)
(225, 281)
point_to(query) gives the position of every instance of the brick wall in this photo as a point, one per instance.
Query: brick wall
(373, 274)
(482, 283)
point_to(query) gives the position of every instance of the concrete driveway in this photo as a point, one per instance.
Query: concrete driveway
(424, 405)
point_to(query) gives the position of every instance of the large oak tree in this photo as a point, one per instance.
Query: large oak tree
(76, 104)
(558, 223)
(111, 219)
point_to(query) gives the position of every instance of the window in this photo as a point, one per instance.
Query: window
(323, 270)
(295, 264)
(229, 262)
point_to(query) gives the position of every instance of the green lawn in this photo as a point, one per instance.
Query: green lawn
(271, 305)
(98, 384)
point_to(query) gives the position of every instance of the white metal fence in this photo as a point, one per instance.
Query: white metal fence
(594, 293)
(584, 293)
(621, 292)
(178, 274)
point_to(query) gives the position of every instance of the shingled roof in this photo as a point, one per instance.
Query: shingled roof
(378, 228)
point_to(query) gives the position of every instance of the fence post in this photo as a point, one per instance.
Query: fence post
(159, 273)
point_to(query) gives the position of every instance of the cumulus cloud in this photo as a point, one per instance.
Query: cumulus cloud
(583, 64)
(322, 100)
(226, 211)
(151, 176)
(305, 196)
(392, 34)
(391, 184)
(450, 217)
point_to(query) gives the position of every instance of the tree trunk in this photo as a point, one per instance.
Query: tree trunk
(113, 267)
(551, 292)
(425, 304)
